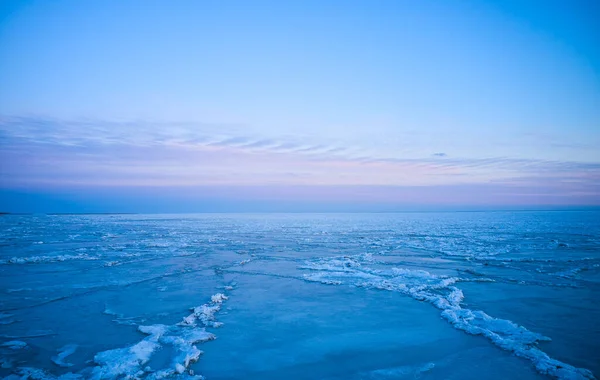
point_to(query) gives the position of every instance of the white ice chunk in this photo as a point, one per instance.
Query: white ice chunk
(124, 361)
(218, 298)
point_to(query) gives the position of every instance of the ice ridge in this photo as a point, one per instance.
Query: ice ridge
(441, 292)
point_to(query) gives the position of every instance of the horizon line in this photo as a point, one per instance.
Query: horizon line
(538, 209)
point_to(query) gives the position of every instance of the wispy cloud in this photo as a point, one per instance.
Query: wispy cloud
(45, 152)
(148, 134)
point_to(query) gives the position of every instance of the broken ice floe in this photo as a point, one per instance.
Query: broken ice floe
(205, 313)
(441, 292)
(132, 362)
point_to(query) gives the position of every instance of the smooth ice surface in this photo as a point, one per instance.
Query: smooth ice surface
(306, 296)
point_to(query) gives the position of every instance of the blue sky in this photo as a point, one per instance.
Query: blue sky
(159, 106)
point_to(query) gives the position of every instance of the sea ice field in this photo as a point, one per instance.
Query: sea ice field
(453, 295)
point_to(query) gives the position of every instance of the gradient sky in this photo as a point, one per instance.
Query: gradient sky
(158, 106)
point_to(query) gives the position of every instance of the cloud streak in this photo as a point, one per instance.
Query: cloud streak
(44, 152)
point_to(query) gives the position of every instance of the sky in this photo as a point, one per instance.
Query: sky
(192, 106)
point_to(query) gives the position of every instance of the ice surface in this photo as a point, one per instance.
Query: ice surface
(24, 373)
(439, 291)
(30, 334)
(46, 259)
(516, 292)
(15, 344)
(6, 319)
(67, 350)
(404, 372)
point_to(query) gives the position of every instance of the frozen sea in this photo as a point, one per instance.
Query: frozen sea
(481, 295)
